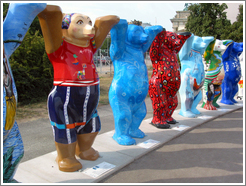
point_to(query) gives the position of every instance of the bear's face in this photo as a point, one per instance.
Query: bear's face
(79, 29)
(237, 47)
(200, 43)
(136, 35)
(219, 46)
(173, 41)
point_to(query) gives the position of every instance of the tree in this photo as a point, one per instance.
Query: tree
(207, 19)
(235, 31)
(5, 9)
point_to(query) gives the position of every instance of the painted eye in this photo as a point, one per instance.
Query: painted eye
(90, 23)
(80, 22)
(173, 37)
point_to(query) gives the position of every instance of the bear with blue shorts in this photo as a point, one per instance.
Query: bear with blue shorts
(232, 72)
(129, 87)
(70, 43)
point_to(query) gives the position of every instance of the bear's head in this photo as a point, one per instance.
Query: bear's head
(199, 44)
(237, 48)
(136, 36)
(173, 41)
(77, 29)
(219, 46)
(234, 49)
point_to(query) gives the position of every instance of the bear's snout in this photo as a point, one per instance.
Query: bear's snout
(144, 38)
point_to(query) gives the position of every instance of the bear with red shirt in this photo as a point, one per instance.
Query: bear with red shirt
(70, 43)
(165, 80)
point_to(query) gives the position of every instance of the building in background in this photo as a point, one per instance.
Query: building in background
(179, 21)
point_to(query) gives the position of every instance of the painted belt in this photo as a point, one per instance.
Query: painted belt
(70, 126)
(67, 126)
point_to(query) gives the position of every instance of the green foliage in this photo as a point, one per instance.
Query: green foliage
(135, 22)
(235, 31)
(5, 9)
(8, 167)
(32, 70)
(207, 19)
(106, 44)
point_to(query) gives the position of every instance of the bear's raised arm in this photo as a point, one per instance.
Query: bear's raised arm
(102, 27)
(186, 48)
(151, 31)
(207, 40)
(226, 54)
(51, 21)
(154, 49)
(209, 51)
(118, 37)
(17, 23)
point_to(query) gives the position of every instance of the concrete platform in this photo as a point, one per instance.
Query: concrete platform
(113, 157)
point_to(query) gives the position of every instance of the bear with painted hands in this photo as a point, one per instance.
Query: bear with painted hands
(215, 73)
(15, 26)
(70, 43)
(192, 74)
(233, 74)
(165, 80)
(129, 86)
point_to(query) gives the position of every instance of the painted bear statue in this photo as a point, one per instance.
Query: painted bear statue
(15, 27)
(70, 43)
(129, 86)
(215, 73)
(165, 80)
(192, 74)
(232, 72)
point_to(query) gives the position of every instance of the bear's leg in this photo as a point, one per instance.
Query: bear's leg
(172, 105)
(66, 157)
(84, 148)
(122, 120)
(157, 114)
(85, 136)
(226, 92)
(65, 141)
(137, 119)
(158, 121)
(197, 99)
(216, 97)
(234, 92)
(185, 110)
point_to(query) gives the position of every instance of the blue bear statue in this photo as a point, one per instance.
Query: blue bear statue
(192, 74)
(15, 26)
(129, 86)
(232, 70)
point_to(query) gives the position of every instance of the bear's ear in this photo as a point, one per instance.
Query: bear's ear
(209, 50)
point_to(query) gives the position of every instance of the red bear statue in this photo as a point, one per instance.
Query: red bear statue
(165, 80)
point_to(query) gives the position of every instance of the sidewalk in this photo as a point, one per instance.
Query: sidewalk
(210, 153)
(164, 151)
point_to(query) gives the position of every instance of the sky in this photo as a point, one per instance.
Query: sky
(153, 12)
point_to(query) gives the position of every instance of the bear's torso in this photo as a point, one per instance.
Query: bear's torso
(131, 77)
(166, 72)
(74, 65)
(195, 64)
(232, 69)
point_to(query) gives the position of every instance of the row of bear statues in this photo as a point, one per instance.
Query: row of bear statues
(71, 41)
